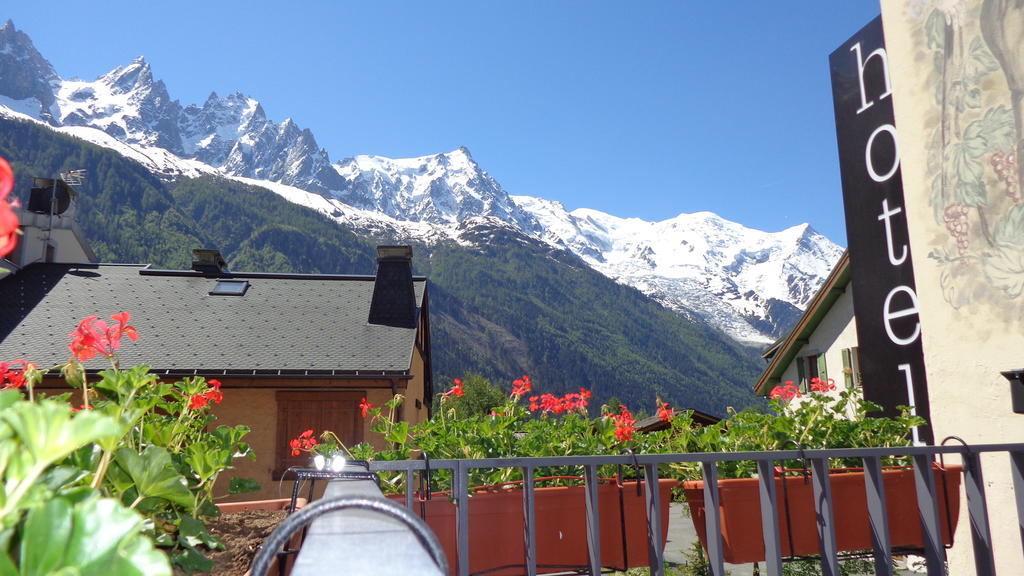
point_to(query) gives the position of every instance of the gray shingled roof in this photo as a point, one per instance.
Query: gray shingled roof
(283, 322)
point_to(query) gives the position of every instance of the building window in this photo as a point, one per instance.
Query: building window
(318, 411)
(810, 367)
(851, 367)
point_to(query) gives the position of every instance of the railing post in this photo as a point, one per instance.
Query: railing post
(1017, 471)
(409, 476)
(826, 521)
(770, 517)
(529, 522)
(931, 533)
(460, 488)
(977, 508)
(712, 521)
(878, 515)
(655, 555)
(593, 519)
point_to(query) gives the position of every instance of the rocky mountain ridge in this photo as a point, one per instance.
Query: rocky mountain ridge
(750, 284)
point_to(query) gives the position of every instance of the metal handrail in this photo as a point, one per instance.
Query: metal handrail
(298, 520)
(921, 457)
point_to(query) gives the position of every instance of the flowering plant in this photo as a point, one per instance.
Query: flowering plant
(823, 418)
(136, 457)
(526, 425)
(521, 425)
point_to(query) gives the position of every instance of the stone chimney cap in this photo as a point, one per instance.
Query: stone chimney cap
(208, 261)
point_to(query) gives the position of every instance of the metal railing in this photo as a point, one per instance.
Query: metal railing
(922, 458)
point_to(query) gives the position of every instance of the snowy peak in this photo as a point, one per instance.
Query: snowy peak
(751, 284)
(28, 81)
(441, 188)
(125, 103)
(135, 77)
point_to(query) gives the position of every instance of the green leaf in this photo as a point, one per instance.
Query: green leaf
(399, 433)
(1010, 229)
(243, 485)
(154, 475)
(193, 532)
(997, 128)
(1005, 269)
(48, 432)
(969, 188)
(44, 536)
(106, 539)
(936, 29)
(191, 560)
(980, 60)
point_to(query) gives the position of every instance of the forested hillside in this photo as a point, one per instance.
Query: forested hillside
(504, 307)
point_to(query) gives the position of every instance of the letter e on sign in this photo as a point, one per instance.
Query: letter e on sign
(890, 315)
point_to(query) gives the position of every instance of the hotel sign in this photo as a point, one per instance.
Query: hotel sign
(882, 275)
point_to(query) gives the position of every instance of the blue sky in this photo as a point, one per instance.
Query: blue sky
(640, 109)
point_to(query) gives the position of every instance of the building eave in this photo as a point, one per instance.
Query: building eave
(780, 355)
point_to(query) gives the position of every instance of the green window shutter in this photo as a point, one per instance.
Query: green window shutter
(848, 368)
(822, 372)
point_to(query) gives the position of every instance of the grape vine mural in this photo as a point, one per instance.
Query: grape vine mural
(976, 54)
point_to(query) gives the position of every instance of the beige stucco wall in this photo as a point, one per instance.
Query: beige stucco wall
(971, 301)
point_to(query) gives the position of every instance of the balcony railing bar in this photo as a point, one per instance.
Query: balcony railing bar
(826, 522)
(1017, 470)
(529, 521)
(876, 514)
(934, 551)
(769, 518)
(922, 456)
(562, 461)
(655, 554)
(981, 535)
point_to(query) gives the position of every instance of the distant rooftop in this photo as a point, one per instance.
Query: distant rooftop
(281, 324)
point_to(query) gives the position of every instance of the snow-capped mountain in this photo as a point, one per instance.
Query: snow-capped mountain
(440, 189)
(750, 284)
(29, 81)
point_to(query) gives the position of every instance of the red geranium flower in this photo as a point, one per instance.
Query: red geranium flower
(456, 390)
(625, 424)
(664, 412)
(520, 387)
(785, 393)
(93, 336)
(364, 407)
(11, 377)
(305, 442)
(822, 386)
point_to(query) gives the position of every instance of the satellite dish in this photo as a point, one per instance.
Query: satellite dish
(44, 197)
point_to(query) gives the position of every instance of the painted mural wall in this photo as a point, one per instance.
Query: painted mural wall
(957, 69)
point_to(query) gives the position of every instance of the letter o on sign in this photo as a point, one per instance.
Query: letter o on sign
(896, 153)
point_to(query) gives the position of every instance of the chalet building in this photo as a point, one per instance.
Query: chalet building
(292, 351)
(823, 344)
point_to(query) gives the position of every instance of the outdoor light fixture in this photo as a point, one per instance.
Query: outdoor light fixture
(1016, 378)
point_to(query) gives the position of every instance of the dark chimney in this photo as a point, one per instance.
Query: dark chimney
(208, 261)
(394, 298)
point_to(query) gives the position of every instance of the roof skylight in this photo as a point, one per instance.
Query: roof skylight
(230, 288)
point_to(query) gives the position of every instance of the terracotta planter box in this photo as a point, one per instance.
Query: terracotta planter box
(496, 527)
(740, 513)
